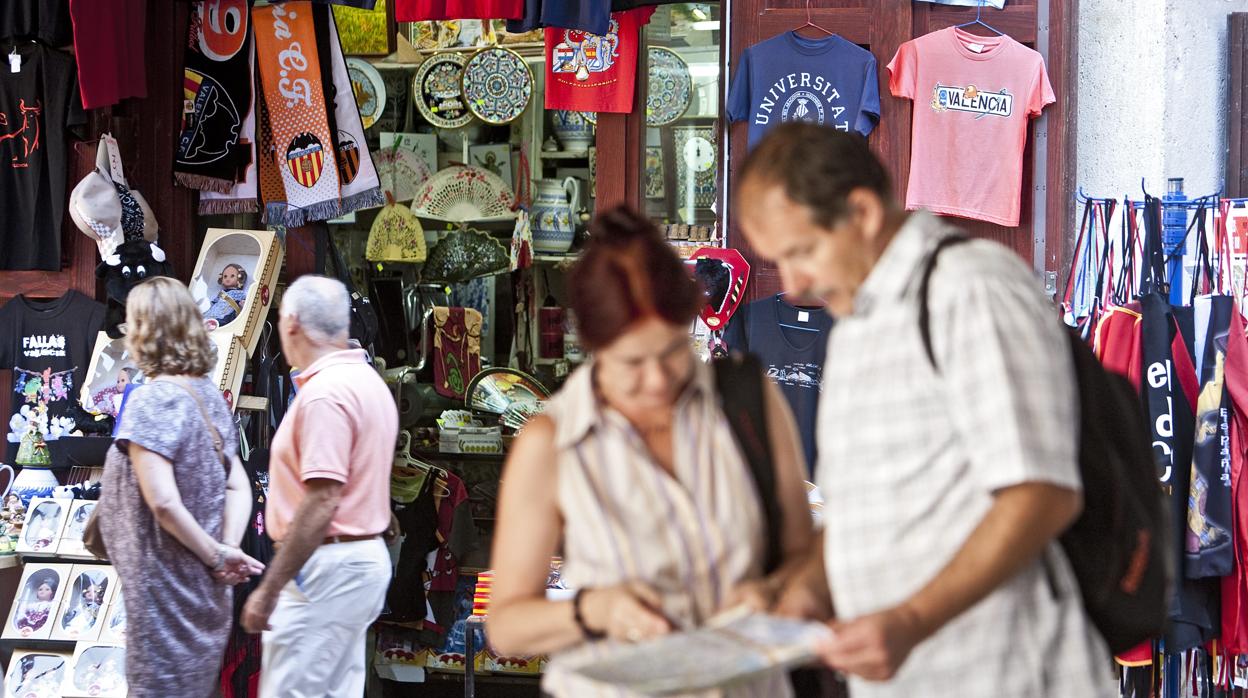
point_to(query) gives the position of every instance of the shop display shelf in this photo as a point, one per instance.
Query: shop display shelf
(565, 155)
(556, 258)
(496, 220)
(475, 457)
(504, 679)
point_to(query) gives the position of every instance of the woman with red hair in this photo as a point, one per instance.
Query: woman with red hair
(632, 473)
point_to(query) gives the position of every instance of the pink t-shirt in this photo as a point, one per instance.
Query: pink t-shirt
(973, 96)
(341, 426)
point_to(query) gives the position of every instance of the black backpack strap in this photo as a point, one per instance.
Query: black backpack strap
(925, 312)
(739, 384)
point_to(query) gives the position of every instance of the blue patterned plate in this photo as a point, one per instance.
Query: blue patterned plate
(497, 85)
(670, 87)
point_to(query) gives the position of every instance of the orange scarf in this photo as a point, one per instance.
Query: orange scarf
(298, 172)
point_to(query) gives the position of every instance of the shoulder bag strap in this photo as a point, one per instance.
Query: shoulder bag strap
(925, 312)
(218, 443)
(739, 383)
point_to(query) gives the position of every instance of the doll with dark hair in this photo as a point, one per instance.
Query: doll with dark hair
(229, 301)
(84, 611)
(34, 613)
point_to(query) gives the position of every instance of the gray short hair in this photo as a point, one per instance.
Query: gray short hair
(322, 306)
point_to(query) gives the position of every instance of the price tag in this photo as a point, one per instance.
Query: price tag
(15, 63)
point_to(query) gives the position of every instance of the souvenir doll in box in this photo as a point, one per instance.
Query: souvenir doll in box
(112, 369)
(38, 597)
(71, 538)
(114, 629)
(45, 519)
(86, 599)
(36, 674)
(97, 671)
(234, 281)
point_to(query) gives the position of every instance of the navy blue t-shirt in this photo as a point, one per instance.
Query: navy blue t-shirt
(593, 16)
(827, 81)
(791, 343)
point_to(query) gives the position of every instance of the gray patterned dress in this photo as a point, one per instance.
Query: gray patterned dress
(179, 617)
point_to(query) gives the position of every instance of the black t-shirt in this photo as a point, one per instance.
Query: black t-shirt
(791, 343)
(46, 20)
(37, 104)
(48, 346)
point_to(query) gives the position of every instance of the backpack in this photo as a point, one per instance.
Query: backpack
(739, 384)
(1119, 547)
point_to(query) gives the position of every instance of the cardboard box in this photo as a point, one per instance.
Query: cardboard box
(41, 530)
(97, 671)
(71, 536)
(496, 664)
(231, 367)
(110, 370)
(36, 673)
(34, 611)
(259, 253)
(114, 629)
(470, 440)
(451, 654)
(86, 602)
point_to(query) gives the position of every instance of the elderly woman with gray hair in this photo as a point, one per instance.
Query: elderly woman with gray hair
(171, 512)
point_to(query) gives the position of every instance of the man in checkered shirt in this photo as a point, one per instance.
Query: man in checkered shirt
(945, 488)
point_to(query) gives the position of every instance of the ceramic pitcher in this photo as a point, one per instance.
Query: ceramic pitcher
(554, 213)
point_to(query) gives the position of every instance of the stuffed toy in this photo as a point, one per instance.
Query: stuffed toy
(136, 259)
(123, 226)
(91, 423)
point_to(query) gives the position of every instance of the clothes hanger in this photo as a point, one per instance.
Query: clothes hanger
(810, 22)
(979, 9)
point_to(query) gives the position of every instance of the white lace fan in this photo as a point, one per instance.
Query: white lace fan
(461, 193)
(402, 172)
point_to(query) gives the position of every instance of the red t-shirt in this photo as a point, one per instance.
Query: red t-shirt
(586, 72)
(109, 46)
(973, 97)
(425, 10)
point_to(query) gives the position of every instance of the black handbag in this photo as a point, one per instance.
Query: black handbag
(364, 324)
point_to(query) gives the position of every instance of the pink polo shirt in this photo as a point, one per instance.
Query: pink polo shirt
(341, 426)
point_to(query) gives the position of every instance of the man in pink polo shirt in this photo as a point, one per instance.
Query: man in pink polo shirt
(329, 504)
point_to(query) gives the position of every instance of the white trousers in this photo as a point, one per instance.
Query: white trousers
(316, 648)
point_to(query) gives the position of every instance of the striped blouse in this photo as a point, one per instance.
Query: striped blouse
(693, 536)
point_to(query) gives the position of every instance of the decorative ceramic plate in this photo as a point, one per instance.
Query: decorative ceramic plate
(438, 91)
(497, 85)
(499, 389)
(670, 87)
(370, 90)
